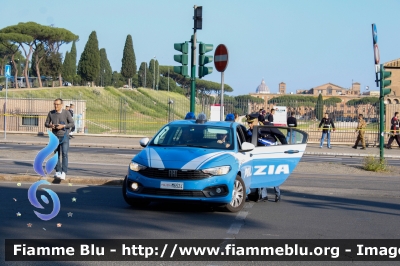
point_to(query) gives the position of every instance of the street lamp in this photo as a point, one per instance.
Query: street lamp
(154, 71)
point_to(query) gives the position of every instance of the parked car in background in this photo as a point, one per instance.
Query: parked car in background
(66, 83)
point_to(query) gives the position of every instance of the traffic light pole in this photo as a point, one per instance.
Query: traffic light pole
(381, 125)
(193, 69)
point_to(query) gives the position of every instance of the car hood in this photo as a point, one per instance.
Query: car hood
(180, 158)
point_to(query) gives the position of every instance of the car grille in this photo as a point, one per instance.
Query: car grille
(172, 192)
(174, 174)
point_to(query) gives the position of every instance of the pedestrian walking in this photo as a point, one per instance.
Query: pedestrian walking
(328, 125)
(361, 132)
(60, 121)
(394, 131)
(291, 122)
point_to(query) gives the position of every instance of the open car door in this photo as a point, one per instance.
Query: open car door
(274, 162)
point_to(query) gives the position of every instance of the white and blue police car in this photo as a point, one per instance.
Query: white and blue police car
(210, 162)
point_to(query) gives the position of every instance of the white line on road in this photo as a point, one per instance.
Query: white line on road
(234, 229)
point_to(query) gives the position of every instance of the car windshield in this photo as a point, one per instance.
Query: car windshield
(203, 136)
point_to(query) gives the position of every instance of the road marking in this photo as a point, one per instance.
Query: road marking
(241, 215)
(234, 229)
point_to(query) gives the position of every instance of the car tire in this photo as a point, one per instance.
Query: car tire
(238, 196)
(133, 202)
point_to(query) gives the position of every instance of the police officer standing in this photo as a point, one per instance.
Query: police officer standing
(361, 131)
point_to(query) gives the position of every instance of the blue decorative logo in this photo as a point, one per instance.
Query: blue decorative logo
(38, 167)
(46, 151)
(33, 200)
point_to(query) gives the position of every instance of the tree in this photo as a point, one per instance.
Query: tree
(145, 77)
(89, 63)
(66, 70)
(117, 80)
(163, 86)
(40, 54)
(319, 107)
(332, 101)
(72, 63)
(128, 68)
(105, 75)
(13, 41)
(153, 68)
(54, 64)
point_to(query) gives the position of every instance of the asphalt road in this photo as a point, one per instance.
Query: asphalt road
(313, 206)
(327, 208)
(111, 162)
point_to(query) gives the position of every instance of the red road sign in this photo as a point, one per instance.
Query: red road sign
(376, 54)
(221, 58)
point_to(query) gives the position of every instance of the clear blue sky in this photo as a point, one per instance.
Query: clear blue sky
(304, 43)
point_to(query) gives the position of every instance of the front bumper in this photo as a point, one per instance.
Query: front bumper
(214, 189)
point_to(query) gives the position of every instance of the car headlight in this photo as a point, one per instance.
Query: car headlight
(136, 167)
(221, 170)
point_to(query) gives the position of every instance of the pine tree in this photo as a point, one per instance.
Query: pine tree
(128, 68)
(105, 69)
(72, 63)
(67, 72)
(319, 108)
(154, 70)
(89, 63)
(145, 77)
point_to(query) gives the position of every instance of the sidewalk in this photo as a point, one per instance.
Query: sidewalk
(132, 142)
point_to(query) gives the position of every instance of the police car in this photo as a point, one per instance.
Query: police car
(210, 162)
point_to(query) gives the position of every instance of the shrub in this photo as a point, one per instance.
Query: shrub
(372, 163)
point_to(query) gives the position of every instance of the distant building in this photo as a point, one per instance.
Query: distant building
(330, 89)
(262, 88)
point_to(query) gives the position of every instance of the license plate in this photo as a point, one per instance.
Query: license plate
(171, 185)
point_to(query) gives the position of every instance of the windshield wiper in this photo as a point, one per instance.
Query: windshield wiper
(199, 146)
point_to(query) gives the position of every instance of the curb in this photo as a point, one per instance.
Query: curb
(350, 154)
(76, 134)
(71, 144)
(70, 180)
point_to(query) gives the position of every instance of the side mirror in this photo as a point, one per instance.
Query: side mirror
(143, 142)
(247, 146)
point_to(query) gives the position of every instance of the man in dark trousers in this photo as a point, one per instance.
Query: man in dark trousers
(394, 131)
(71, 110)
(291, 122)
(328, 125)
(60, 121)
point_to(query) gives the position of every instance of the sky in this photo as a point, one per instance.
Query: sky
(304, 43)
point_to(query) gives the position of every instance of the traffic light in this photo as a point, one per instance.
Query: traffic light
(205, 59)
(384, 82)
(198, 17)
(183, 58)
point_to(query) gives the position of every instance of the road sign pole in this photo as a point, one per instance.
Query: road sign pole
(222, 97)
(5, 111)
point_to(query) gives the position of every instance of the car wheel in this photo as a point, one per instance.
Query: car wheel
(133, 202)
(238, 196)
